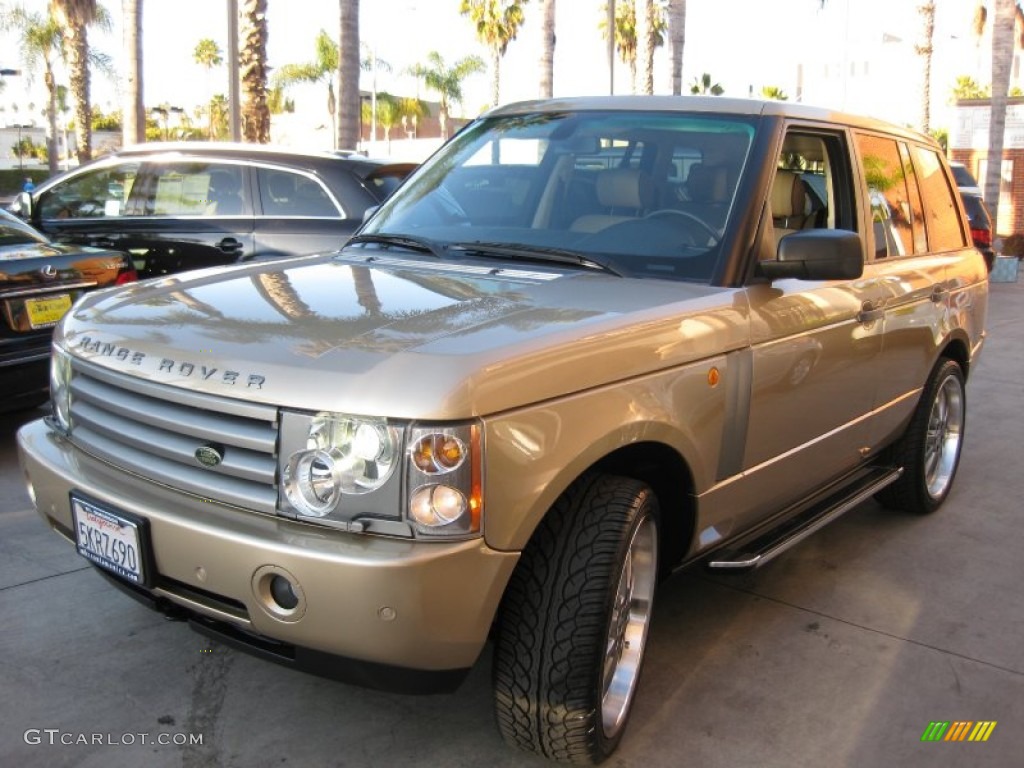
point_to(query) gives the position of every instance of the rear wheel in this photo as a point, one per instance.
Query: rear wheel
(929, 450)
(574, 622)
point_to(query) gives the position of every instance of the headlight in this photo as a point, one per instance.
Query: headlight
(343, 455)
(60, 388)
(444, 480)
(342, 471)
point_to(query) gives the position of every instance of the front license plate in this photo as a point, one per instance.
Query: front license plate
(43, 313)
(110, 540)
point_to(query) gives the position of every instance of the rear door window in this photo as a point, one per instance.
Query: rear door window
(896, 218)
(942, 220)
(196, 188)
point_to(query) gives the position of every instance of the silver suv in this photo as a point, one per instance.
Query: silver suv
(588, 343)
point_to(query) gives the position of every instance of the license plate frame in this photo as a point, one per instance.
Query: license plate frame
(47, 312)
(113, 540)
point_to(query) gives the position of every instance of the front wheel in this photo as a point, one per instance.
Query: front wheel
(929, 451)
(574, 622)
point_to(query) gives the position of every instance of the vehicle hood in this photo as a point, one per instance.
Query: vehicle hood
(403, 338)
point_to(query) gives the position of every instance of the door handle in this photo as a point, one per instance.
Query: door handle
(870, 312)
(229, 245)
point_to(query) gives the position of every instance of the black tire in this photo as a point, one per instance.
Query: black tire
(563, 636)
(929, 450)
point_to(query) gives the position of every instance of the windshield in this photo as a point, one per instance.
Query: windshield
(641, 194)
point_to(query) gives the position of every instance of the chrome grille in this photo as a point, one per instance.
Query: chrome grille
(154, 431)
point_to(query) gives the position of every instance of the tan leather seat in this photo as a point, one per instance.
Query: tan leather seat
(710, 193)
(623, 194)
(789, 201)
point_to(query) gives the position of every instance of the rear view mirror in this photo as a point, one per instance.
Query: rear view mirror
(817, 254)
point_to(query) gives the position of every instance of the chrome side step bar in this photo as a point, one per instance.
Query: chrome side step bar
(769, 545)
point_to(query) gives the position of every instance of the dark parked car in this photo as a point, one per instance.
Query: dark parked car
(981, 225)
(965, 180)
(39, 281)
(184, 206)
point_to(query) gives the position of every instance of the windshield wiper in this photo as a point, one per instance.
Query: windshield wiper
(522, 251)
(410, 242)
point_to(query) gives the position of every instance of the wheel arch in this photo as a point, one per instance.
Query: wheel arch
(669, 477)
(957, 350)
(649, 459)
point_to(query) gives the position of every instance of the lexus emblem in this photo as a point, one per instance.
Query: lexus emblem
(49, 271)
(209, 455)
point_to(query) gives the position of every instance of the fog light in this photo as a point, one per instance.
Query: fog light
(282, 592)
(279, 594)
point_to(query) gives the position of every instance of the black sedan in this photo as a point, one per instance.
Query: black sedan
(39, 281)
(189, 205)
(981, 225)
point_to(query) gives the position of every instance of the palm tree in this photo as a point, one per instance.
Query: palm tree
(924, 50)
(966, 87)
(773, 92)
(675, 16)
(373, 64)
(447, 81)
(626, 42)
(252, 61)
(547, 55)
(323, 67)
(410, 110)
(133, 107)
(625, 35)
(74, 18)
(703, 86)
(208, 55)
(645, 44)
(497, 24)
(387, 115)
(40, 44)
(1003, 21)
(219, 114)
(348, 75)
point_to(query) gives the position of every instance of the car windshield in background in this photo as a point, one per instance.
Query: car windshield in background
(640, 194)
(13, 232)
(962, 176)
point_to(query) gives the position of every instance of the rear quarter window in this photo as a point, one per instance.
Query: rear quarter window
(942, 218)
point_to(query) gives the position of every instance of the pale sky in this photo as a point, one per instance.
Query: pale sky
(744, 44)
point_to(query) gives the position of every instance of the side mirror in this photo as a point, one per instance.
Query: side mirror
(817, 254)
(22, 206)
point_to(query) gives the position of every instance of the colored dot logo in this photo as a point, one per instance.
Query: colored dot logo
(958, 730)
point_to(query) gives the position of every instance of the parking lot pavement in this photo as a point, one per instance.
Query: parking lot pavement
(840, 653)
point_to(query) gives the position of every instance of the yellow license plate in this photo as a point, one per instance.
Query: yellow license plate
(46, 312)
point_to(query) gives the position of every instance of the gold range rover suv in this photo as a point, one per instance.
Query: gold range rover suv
(589, 342)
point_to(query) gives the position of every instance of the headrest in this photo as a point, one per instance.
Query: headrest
(787, 195)
(224, 183)
(708, 183)
(282, 185)
(624, 188)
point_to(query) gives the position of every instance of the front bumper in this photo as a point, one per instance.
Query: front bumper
(382, 605)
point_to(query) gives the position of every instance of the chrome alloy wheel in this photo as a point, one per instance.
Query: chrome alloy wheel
(627, 630)
(945, 433)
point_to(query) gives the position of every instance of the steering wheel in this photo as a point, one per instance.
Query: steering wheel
(667, 213)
